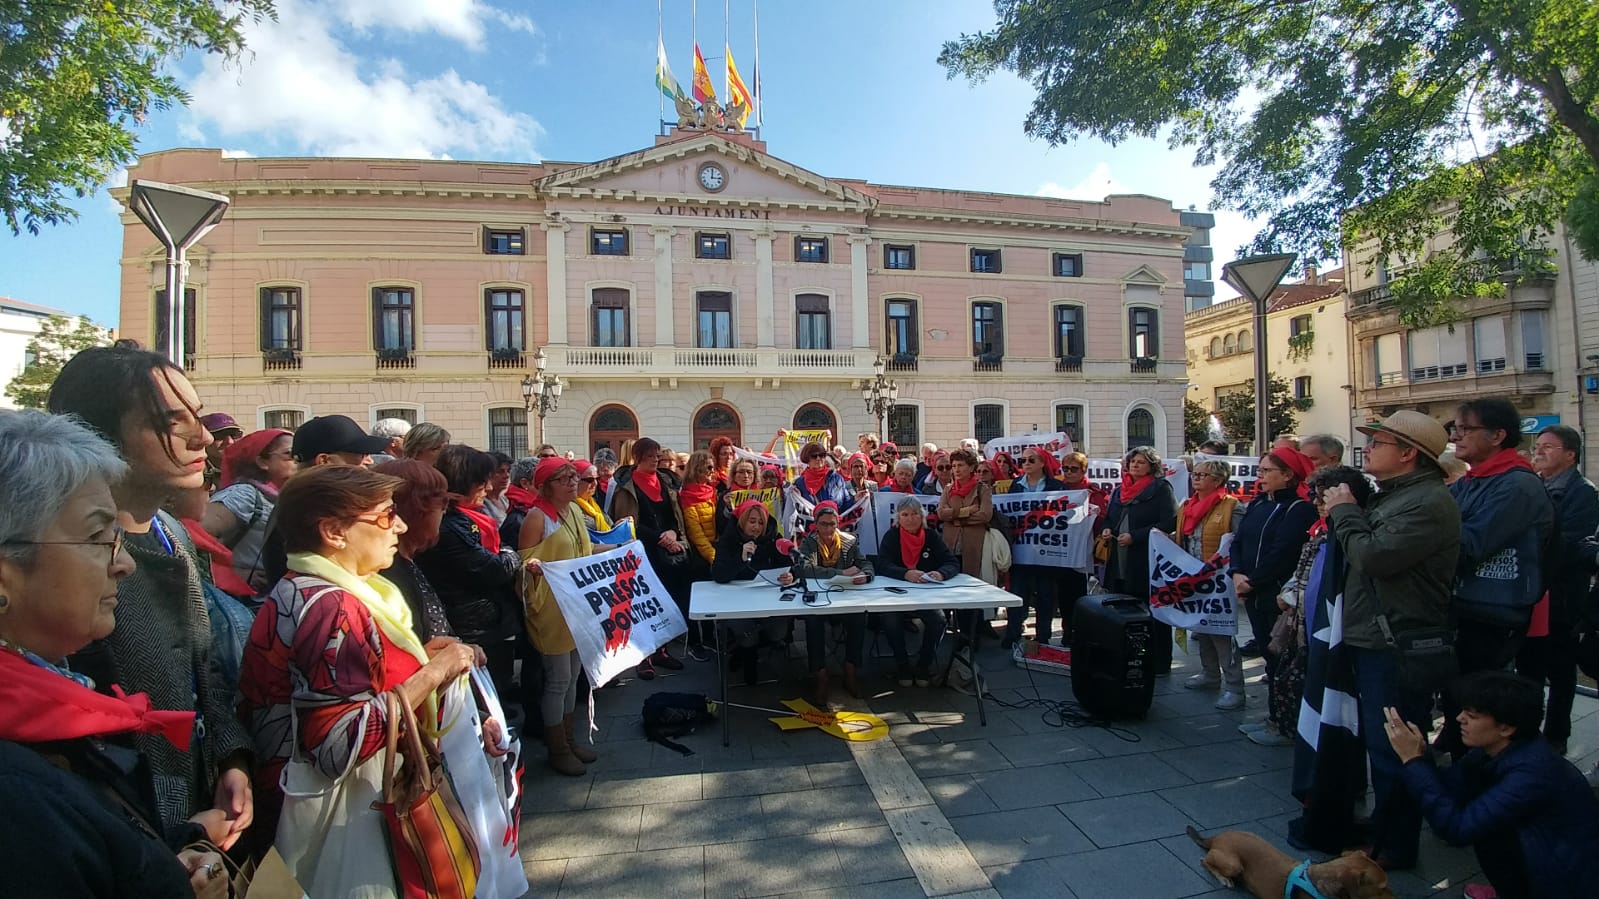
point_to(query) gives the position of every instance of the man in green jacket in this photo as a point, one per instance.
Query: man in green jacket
(1401, 552)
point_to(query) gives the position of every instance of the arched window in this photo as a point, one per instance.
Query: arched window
(815, 416)
(1140, 428)
(611, 426)
(1243, 341)
(1228, 345)
(716, 420)
(1215, 346)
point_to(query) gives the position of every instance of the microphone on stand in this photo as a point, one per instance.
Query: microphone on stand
(796, 568)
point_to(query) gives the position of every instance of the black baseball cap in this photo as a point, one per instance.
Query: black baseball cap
(334, 434)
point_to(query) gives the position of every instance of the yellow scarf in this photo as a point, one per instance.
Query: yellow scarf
(828, 552)
(386, 605)
(592, 510)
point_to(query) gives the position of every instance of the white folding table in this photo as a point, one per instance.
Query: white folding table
(711, 601)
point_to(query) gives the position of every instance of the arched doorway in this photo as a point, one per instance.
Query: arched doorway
(716, 420)
(815, 416)
(609, 426)
(1140, 428)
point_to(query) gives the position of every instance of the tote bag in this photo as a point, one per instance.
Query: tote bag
(481, 794)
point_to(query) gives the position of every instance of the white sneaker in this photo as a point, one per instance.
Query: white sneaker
(1268, 737)
(1253, 727)
(1201, 682)
(1230, 701)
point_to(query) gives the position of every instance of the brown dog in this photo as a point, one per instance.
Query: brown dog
(1239, 858)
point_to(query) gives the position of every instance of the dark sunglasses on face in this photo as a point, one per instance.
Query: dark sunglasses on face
(589, 480)
(1071, 468)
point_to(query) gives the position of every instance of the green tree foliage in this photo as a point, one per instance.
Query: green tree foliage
(1339, 121)
(77, 75)
(60, 338)
(1237, 411)
(1196, 425)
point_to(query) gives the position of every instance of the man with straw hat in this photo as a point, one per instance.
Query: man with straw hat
(1401, 553)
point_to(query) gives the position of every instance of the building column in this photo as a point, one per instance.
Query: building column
(555, 266)
(860, 321)
(765, 324)
(662, 235)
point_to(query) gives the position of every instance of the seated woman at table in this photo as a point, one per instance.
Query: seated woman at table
(912, 551)
(828, 552)
(744, 550)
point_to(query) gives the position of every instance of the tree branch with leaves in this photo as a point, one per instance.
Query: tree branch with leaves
(60, 338)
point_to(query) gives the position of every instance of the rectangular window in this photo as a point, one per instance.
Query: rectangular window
(904, 426)
(508, 431)
(1436, 353)
(607, 243)
(1302, 387)
(503, 310)
(280, 318)
(986, 262)
(283, 419)
(812, 327)
(1068, 265)
(714, 320)
(713, 246)
(403, 413)
(611, 310)
(1489, 335)
(988, 338)
(1143, 332)
(1532, 340)
(393, 328)
(902, 328)
(1387, 361)
(810, 249)
(190, 320)
(988, 422)
(1068, 331)
(899, 257)
(1069, 419)
(1298, 325)
(504, 241)
(1196, 271)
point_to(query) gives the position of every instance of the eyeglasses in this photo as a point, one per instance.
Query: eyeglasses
(1206, 474)
(384, 519)
(941, 468)
(1465, 429)
(117, 536)
(1071, 468)
(589, 480)
(1374, 442)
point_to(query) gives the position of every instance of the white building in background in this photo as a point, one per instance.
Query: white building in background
(19, 324)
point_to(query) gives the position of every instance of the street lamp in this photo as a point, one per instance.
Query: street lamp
(542, 392)
(1257, 277)
(880, 395)
(178, 217)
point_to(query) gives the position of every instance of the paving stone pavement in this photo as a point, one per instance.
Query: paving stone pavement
(1020, 808)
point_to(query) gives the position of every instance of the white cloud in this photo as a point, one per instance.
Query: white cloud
(301, 87)
(1096, 185)
(236, 154)
(464, 20)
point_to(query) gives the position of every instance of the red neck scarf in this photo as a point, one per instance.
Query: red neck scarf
(42, 706)
(1318, 527)
(694, 494)
(488, 530)
(815, 480)
(1195, 508)
(962, 489)
(1499, 463)
(521, 499)
(1132, 486)
(222, 574)
(649, 484)
(910, 546)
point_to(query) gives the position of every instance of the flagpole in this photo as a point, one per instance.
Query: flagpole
(757, 66)
(727, 50)
(660, 42)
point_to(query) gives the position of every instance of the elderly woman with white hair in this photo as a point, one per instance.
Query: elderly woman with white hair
(81, 815)
(1143, 502)
(912, 551)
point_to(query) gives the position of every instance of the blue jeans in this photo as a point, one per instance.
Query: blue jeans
(1396, 817)
(933, 625)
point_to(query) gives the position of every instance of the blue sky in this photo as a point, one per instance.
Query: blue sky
(851, 88)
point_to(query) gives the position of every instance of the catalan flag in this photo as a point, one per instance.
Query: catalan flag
(663, 73)
(737, 92)
(703, 90)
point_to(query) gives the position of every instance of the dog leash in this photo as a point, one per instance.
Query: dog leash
(1299, 878)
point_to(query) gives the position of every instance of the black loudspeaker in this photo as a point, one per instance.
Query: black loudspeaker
(1112, 651)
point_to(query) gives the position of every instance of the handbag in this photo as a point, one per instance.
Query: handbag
(1102, 548)
(1427, 660)
(431, 844)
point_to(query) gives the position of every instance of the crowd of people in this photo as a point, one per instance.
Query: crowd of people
(194, 617)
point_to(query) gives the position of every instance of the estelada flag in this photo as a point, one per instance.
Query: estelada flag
(703, 91)
(737, 92)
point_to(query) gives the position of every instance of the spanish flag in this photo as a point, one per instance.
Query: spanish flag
(737, 93)
(703, 91)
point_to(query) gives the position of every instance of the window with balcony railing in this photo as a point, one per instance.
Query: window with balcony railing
(1532, 345)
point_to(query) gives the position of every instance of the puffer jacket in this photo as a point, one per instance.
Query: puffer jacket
(1401, 552)
(1526, 793)
(477, 587)
(1505, 521)
(699, 520)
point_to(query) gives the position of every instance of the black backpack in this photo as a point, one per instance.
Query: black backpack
(669, 715)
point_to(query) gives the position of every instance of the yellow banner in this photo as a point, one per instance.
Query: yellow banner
(767, 498)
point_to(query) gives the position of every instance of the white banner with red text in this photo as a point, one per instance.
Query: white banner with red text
(616, 607)
(1189, 594)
